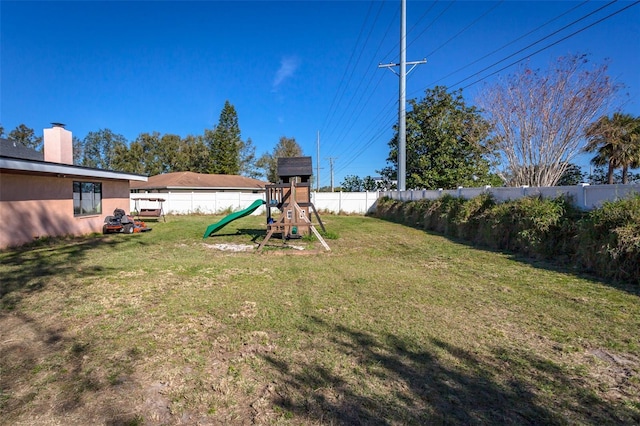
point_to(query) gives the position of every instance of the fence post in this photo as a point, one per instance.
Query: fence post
(584, 194)
(366, 202)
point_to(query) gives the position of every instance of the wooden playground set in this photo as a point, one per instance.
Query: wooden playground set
(288, 204)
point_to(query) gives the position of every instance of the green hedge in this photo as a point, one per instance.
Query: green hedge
(604, 241)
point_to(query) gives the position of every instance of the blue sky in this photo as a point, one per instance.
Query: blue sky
(290, 68)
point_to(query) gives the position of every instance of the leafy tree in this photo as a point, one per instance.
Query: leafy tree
(99, 148)
(129, 159)
(149, 153)
(539, 118)
(369, 184)
(446, 143)
(26, 136)
(616, 142)
(600, 177)
(572, 175)
(1, 131)
(224, 142)
(352, 183)
(78, 149)
(168, 153)
(248, 160)
(152, 154)
(194, 155)
(286, 147)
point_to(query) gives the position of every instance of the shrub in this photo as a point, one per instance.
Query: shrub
(609, 240)
(472, 216)
(536, 226)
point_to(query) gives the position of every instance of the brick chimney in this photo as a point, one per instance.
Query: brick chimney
(58, 144)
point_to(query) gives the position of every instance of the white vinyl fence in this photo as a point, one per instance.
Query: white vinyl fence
(219, 202)
(585, 196)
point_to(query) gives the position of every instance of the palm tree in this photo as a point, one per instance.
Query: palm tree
(616, 142)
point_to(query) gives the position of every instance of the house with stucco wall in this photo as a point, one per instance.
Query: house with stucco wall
(46, 195)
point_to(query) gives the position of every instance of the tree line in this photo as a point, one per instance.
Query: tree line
(218, 151)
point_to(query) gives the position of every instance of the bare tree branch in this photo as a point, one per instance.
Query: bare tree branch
(539, 118)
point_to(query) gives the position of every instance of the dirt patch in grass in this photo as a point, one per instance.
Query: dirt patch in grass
(230, 247)
(618, 373)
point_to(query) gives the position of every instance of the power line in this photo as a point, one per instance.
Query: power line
(329, 133)
(498, 3)
(351, 119)
(431, 23)
(510, 43)
(550, 45)
(385, 57)
(347, 67)
(534, 43)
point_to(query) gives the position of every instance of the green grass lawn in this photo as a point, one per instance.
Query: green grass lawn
(392, 326)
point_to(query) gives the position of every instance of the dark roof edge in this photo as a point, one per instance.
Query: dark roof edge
(21, 164)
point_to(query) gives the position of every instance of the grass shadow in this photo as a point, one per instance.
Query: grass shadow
(395, 380)
(257, 235)
(52, 359)
(32, 267)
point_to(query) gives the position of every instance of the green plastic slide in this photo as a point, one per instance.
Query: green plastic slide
(230, 218)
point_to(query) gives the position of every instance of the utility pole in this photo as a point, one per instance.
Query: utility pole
(331, 159)
(402, 112)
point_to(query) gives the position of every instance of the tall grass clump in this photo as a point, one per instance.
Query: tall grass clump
(442, 215)
(609, 240)
(535, 226)
(472, 216)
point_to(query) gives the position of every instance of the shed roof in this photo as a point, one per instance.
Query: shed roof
(191, 180)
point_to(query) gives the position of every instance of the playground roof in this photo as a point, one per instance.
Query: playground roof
(199, 182)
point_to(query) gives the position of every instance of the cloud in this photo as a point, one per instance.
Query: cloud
(288, 67)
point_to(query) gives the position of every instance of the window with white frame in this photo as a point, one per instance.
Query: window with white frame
(87, 198)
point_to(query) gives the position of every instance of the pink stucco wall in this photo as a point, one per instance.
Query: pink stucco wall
(39, 206)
